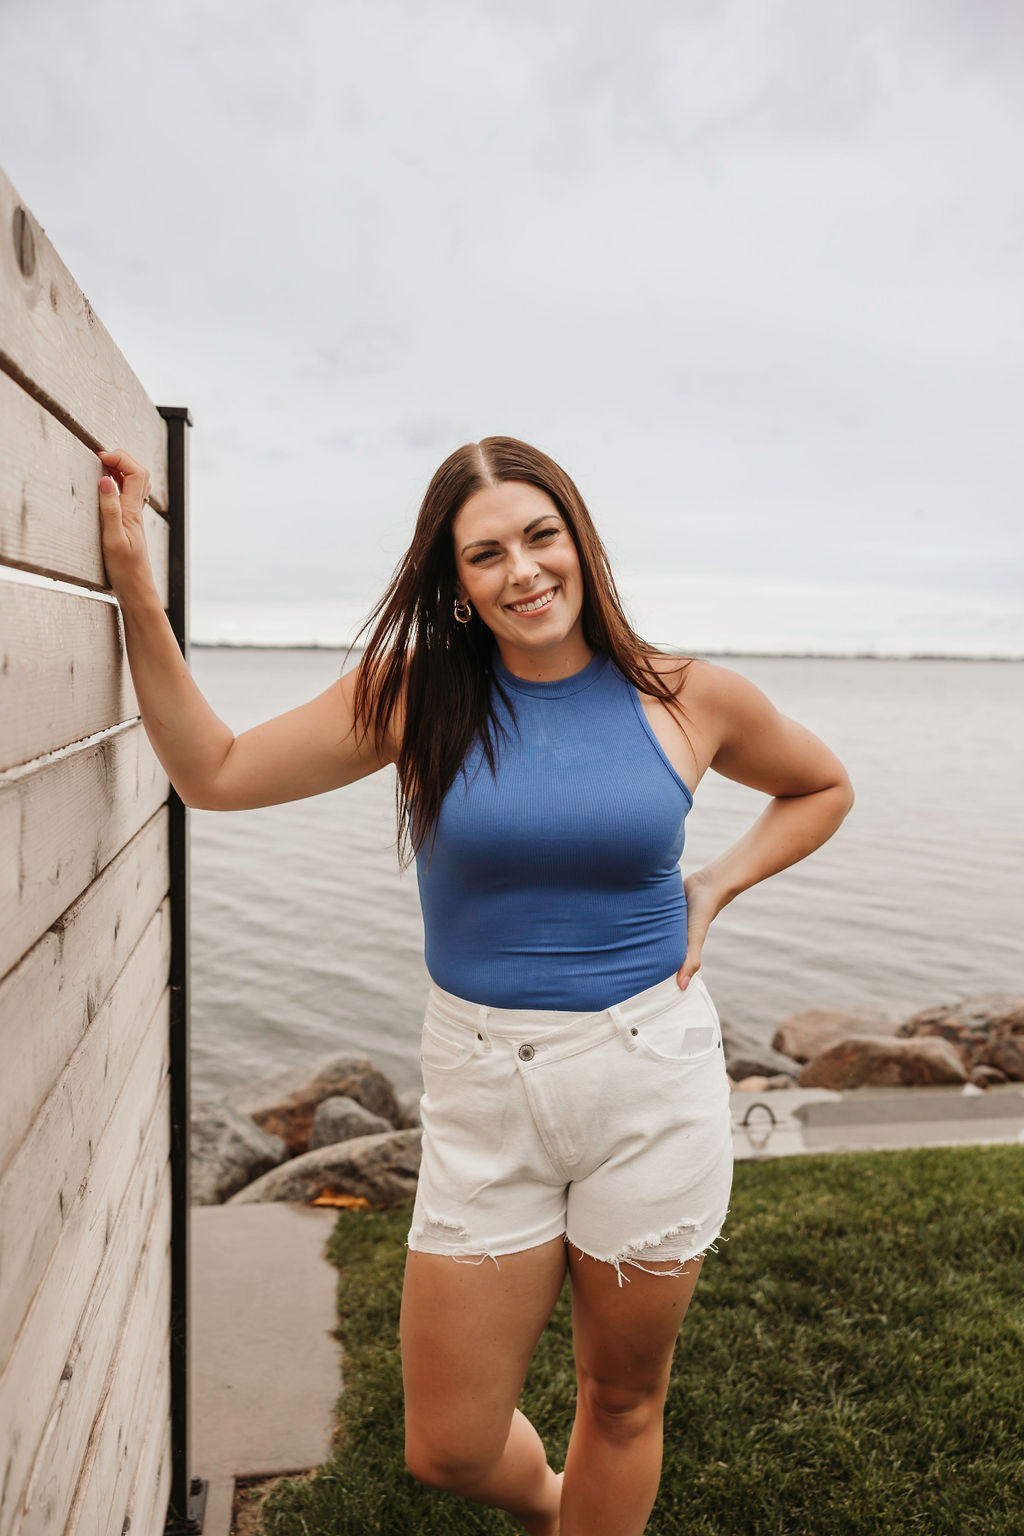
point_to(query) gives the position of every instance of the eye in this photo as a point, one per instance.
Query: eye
(479, 559)
(546, 533)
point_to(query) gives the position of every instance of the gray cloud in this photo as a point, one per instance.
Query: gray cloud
(750, 269)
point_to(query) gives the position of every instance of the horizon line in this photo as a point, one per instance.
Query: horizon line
(312, 645)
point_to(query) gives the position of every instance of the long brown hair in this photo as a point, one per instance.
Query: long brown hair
(444, 669)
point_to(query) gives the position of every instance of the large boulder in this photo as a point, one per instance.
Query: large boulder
(284, 1104)
(343, 1119)
(862, 1061)
(380, 1169)
(805, 1035)
(971, 1025)
(227, 1150)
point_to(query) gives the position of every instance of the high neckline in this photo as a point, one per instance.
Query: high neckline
(559, 687)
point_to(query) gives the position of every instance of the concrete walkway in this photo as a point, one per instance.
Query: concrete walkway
(787, 1121)
(266, 1372)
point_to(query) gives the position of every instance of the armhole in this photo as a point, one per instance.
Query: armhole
(652, 737)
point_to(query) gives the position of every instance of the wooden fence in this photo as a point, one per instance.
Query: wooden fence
(93, 945)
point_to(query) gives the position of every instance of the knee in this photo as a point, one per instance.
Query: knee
(621, 1411)
(444, 1466)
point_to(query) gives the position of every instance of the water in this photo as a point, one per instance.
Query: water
(307, 941)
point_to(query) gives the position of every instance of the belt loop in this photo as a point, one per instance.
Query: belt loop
(628, 1035)
(481, 1027)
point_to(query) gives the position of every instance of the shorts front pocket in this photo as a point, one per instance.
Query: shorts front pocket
(444, 1046)
(686, 1033)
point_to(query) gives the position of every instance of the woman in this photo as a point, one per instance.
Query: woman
(576, 1110)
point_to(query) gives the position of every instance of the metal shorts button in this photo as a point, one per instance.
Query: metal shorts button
(526, 1053)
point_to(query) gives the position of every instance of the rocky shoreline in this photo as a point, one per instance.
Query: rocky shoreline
(337, 1133)
(977, 1040)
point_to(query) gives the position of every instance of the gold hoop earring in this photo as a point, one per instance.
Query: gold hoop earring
(463, 612)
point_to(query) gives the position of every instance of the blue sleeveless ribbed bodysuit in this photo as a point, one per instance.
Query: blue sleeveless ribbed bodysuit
(557, 885)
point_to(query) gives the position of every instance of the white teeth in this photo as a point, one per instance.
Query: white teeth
(538, 602)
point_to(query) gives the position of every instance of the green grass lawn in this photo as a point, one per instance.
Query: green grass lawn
(852, 1362)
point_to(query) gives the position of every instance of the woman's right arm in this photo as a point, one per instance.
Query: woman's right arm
(304, 752)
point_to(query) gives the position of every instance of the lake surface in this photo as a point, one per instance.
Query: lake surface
(306, 940)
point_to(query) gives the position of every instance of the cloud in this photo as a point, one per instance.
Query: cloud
(750, 270)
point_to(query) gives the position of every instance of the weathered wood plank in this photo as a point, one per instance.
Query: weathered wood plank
(49, 999)
(145, 1512)
(116, 1437)
(49, 506)
(53, 342)
(46, 1175)
(63, 824)
(54, 1376)
(64, 671)
(69, 1446)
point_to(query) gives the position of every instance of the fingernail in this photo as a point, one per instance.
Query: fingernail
(107, 483)
(684, 983)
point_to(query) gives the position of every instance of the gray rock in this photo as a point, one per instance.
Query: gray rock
(409, 1109)
(804, 1035)
(286, 1102)
(757, 1061)
(227, 1151)
(343, 1119)
(746, 1056)
(867, 1061)
(380, 1169)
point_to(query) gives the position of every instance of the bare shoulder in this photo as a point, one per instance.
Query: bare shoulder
(715, 690)
(750, 740)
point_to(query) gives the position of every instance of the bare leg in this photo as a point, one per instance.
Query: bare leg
(624, 1338)
(468, 1331)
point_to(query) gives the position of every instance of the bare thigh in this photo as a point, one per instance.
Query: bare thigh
(624, 1336)
(467, 1334)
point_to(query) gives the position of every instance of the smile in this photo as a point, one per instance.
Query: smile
(535, 604)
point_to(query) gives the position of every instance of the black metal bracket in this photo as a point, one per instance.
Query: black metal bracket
(198, 1488)
(187, 1494)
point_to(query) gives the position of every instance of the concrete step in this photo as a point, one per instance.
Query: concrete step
(787, 1121)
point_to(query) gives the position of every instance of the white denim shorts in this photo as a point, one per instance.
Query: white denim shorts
(610, 1128)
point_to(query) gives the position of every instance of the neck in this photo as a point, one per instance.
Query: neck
(549, 665)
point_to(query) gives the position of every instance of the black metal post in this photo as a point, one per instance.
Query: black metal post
(187, 1496)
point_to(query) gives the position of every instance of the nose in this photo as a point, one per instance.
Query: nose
(522, 566)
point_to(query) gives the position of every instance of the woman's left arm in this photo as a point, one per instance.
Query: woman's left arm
(750, 741)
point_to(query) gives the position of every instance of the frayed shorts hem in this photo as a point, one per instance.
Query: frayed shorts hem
(644, 1260)
(454, 1242)
(638, 1255)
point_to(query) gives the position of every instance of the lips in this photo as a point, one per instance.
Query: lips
(537, 604)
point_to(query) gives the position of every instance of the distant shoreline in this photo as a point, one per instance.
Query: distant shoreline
(270, 645)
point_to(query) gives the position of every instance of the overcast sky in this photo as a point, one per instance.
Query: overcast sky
(751, 270)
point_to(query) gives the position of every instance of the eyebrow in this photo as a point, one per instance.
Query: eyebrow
(528, 529)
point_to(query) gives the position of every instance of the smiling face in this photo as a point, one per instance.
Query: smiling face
(516, 563)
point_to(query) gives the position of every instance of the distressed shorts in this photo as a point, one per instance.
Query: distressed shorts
(611, 1128)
